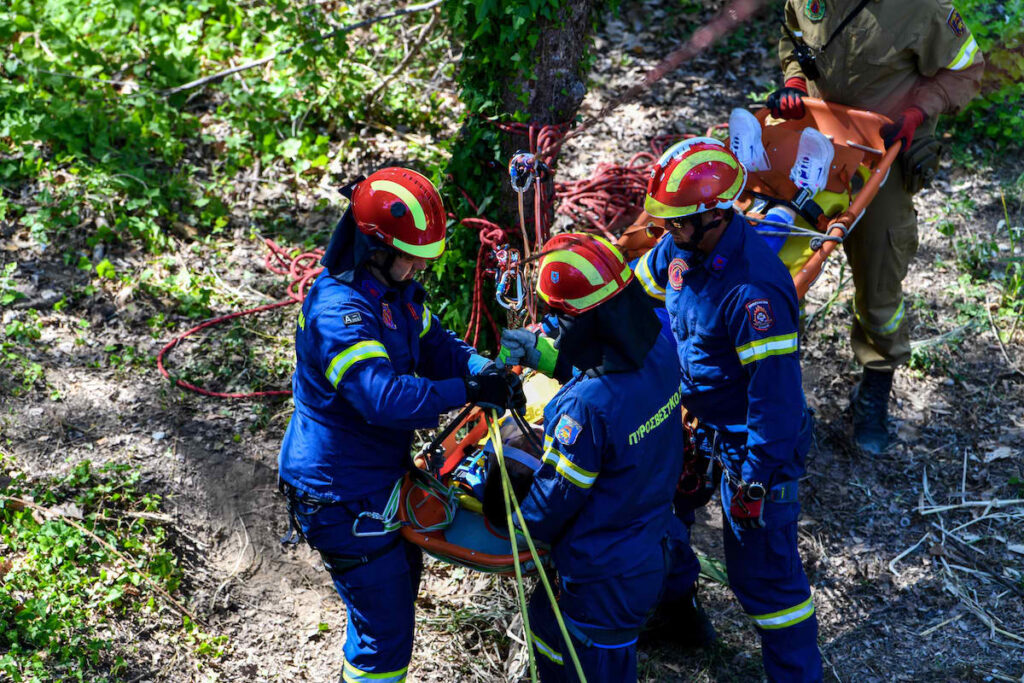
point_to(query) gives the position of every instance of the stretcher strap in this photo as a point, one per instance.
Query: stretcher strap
(512, 502)
(432, 488)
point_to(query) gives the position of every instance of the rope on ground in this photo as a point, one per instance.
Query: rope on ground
(302, 269)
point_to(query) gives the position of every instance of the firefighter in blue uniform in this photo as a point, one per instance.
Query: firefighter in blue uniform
(373, 364)
(613, 442)
(733, 312)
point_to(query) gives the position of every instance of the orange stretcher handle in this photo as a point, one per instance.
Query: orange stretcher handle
(845, 222)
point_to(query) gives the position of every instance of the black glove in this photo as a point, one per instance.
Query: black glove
(788, 101)
(495, 389)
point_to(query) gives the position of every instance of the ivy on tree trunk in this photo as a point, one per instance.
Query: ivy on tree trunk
(523, 61)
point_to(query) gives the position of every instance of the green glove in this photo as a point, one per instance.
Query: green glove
(529, 349)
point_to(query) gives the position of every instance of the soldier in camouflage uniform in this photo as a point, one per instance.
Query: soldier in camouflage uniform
(910, 60)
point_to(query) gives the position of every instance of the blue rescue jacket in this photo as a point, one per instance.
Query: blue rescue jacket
(734, 315)
(372, 364)
(613, 447)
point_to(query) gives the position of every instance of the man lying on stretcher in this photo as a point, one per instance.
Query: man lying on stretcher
(613, 446)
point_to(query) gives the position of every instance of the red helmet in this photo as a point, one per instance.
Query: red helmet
(580, 271)
(694, 176)
(402, 209)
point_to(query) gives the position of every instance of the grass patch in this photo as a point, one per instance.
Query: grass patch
(70, 605)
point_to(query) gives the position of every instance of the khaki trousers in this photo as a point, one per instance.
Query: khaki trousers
(879, 251)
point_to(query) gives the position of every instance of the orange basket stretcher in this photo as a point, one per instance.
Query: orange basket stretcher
(859, 167)
(449, 524)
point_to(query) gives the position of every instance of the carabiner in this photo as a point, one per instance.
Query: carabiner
(503, 301)
(522, 171)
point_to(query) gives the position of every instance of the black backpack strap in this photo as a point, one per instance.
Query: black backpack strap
(849, 17)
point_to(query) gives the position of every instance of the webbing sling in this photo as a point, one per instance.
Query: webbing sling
(849, 17)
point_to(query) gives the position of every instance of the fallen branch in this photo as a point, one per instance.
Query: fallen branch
(413, 51)
(106, 544)
(893, 561)
(199, 82)
(981, 567)
(976, 609)
(929, 631)
(970, 504)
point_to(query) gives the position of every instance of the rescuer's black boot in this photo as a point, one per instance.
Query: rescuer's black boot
(870, 405)
(683, 623)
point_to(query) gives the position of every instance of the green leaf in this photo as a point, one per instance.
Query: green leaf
(290, 148)
(105, 270)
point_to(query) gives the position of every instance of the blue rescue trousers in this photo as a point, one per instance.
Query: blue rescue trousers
(767, 577)
(377, 577)
(604, 617)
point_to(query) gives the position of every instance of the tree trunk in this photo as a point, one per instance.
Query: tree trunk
(555, 91)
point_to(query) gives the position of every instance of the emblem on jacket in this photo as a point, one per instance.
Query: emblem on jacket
(956, 23)
(567, 430)
(353, 318)
(760, 313)
(412, 311)
(718, 263)
(676, 270)
(814, 10)
(385, 315)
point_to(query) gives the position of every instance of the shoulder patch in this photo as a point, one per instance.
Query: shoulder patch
(353, 318)
(567, 430)
(814, 10)
(759, 311)
(956, 23)
(676, 270)
(385, 315)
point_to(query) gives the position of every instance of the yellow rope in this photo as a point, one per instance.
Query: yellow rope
(495, 435)
(492, 426)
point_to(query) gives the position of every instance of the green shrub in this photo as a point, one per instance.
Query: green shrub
(994, 116)
(61, 587)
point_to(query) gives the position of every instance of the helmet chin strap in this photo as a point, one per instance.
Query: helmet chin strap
(699, 232)
(383, 270)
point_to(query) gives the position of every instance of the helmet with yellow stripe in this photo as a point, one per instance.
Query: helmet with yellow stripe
(694, 176)
(580, 271)
(403, 209)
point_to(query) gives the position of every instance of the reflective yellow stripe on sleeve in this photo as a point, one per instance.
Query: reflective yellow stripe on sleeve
(572, 472)
(302, 321)
(646, 277)
(352, 674)
(965, 57)
(428, 320)
(346, 359)
(770, 346)
(786, 617)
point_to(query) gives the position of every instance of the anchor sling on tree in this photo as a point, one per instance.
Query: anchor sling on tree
(911, 60)
(733, 312)
(373, 364)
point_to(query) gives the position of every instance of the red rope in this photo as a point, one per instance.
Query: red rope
(301, 269)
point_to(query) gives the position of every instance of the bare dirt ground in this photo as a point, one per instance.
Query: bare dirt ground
(905, 590)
